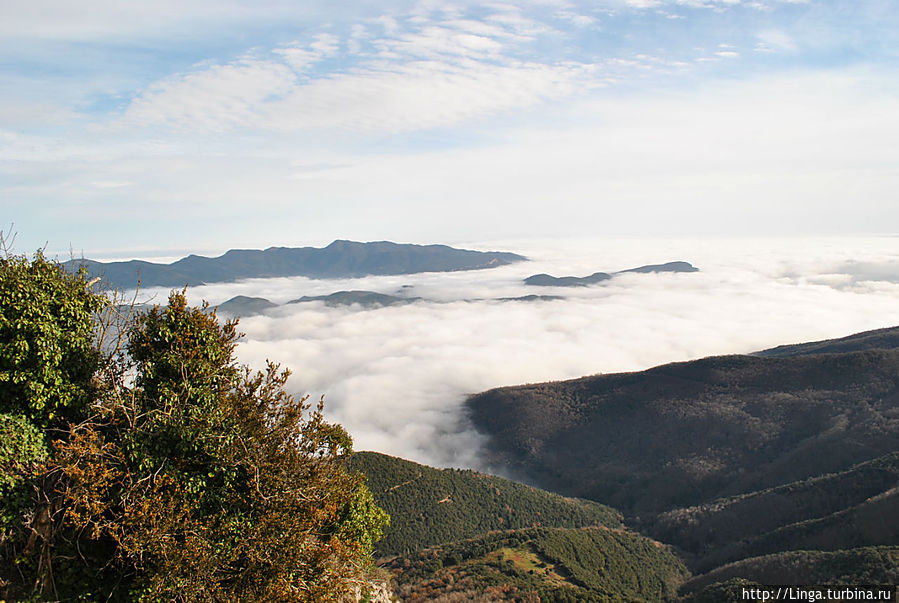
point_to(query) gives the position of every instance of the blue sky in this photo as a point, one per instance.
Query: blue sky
(130, 129)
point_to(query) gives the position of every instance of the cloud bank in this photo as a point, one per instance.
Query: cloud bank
(397, 377)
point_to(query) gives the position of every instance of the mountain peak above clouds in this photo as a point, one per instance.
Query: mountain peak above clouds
(340, 259)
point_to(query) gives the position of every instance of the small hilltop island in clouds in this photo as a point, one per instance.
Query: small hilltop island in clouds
(546, 280)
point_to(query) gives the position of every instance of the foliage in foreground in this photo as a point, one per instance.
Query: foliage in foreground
(169, 472)
(47, 351)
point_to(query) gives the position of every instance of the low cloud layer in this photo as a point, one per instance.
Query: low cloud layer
(397, 377)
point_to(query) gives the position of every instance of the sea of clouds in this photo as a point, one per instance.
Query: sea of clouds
(397, 377)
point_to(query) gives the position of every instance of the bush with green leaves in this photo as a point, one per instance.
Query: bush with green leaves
(48, 355)
(22, 453)
(173, 473)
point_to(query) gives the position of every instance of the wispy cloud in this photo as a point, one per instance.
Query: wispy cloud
(217, 98)
(412, 75)
(300, 59)
(774, 41)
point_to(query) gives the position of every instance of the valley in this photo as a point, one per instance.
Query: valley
(778, 468)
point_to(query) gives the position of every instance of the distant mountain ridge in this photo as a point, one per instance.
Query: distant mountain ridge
(340, 259)
(547, 280)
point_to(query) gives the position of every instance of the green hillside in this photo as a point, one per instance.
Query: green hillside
(562, 565)
(431, 506)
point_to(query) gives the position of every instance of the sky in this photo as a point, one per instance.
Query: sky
(146, 129)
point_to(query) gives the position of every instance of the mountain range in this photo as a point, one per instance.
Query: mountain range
(340, 259)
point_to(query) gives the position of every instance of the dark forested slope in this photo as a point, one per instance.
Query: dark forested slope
(856, 507)
(878, 339)
(865, 565)
(686, 433)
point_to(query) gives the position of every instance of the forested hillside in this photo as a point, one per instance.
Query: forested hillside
(777, 468)
(833, 511)
(433, 506)
(556, 565)
(867, 565)
(878, 339)
(828, 515)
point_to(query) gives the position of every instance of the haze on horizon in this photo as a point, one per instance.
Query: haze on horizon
(147, 129)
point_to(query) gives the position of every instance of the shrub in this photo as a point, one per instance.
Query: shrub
(194, 478)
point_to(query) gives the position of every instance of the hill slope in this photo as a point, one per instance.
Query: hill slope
(686, 433)
(833, 511)
(882, 339)
(866, 565)
(431, 506)
(562, 565)
(241, 305)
